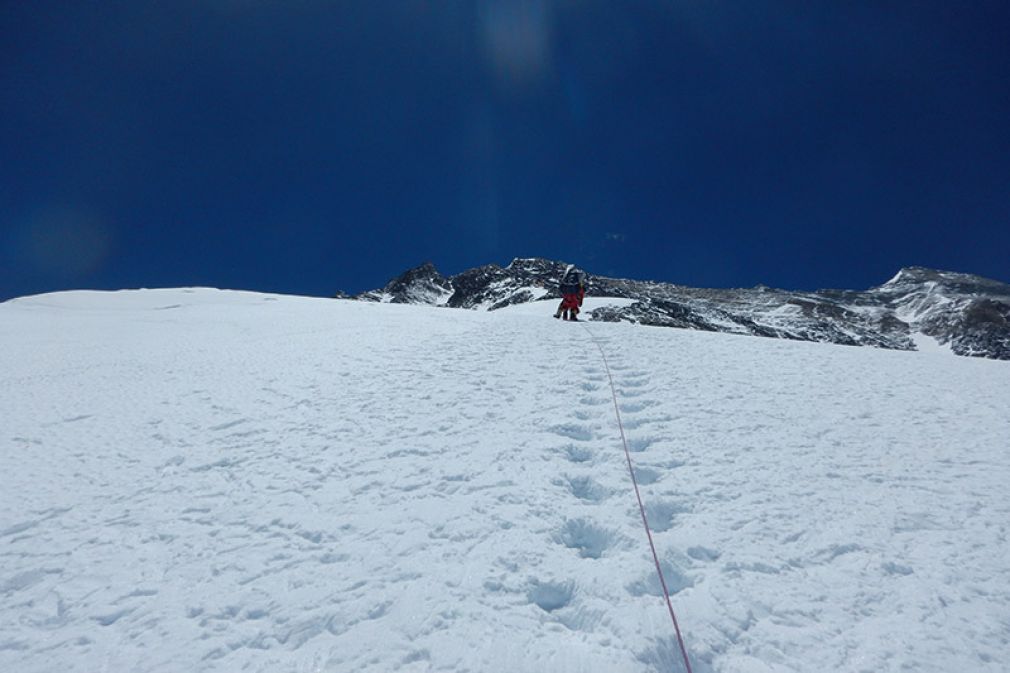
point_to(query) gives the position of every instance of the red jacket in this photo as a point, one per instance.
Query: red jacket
(573, 299)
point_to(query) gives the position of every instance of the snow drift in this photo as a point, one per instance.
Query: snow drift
(197, 480)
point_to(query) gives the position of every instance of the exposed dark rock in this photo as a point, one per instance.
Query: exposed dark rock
(969, 313)
(420, 285)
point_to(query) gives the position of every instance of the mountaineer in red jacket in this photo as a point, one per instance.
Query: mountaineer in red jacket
(573, 291)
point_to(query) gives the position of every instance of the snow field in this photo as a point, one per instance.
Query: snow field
(195, 480)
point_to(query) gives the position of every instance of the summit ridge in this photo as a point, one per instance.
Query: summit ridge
(965, 313)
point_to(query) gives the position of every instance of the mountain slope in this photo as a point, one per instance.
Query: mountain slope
(968, 314)
(196, 480)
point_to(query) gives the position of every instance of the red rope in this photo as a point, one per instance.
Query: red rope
(641, 507)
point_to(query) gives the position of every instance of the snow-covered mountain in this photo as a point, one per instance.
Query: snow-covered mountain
(917, 308)
(199, 481)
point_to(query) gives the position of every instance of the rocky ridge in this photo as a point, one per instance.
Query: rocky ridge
(967, 313)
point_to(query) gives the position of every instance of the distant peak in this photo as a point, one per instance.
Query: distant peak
(913, 274)
(532, 264)
(424, 268)
(424, 279)
(910, 275)
(919, 279)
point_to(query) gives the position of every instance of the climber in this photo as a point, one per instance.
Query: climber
(573, 291)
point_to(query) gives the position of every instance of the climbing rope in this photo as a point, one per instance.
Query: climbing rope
(641, 507)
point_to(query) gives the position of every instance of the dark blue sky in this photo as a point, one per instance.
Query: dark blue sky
(307, 146)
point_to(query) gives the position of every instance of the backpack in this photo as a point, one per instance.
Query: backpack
(573, 281)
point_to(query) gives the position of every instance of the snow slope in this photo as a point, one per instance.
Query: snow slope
(197, 480)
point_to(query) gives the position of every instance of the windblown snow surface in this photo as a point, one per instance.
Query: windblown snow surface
(198, 480)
